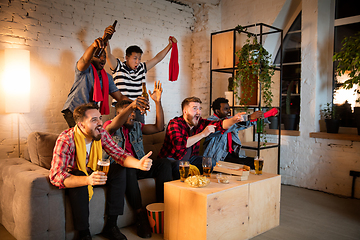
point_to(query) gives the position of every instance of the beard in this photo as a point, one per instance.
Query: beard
(96, 134)
(192, 120)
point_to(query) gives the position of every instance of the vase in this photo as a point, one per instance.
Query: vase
(274, 122)
(289, 121)
(332, 125)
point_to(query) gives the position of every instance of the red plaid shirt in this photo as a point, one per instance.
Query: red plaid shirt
(177, 134)
(64, 161)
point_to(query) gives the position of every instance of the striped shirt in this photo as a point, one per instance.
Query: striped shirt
(129, 81)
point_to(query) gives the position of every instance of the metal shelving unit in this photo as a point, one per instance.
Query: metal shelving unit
(226, 63)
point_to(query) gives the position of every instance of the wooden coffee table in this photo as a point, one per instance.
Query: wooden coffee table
(238, 210)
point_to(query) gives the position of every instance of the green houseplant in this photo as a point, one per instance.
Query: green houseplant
(349, 63)
(329, 113)
(254, 66)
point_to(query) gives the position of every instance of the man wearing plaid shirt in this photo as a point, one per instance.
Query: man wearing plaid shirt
(74, 167)
(184, 133)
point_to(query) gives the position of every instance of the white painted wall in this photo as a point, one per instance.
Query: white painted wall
(319, 164)
(58, 32)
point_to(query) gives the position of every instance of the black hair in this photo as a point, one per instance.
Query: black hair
(135, 49)
(216, 105)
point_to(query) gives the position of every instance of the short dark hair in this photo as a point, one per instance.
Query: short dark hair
(135, 49)
(122, 103)
(188, 100)
(79, 112)
(216, 105)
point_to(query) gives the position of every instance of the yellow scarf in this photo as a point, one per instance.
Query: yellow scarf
(95, 154)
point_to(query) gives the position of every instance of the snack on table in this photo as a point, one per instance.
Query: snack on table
(197, 181)
(193, 170)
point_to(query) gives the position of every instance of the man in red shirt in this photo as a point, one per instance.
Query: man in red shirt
(184, 133)
(73, 167)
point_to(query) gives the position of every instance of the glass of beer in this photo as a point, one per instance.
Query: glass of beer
(207, 166)
(184, 167)
(258, 163)
(103, 165)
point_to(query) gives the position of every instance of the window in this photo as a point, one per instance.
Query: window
(346, 24)
(291, 67)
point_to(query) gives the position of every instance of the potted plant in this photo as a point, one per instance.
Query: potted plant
(349, 63)
(254, 64)
(254, 67)
(289, 118)
(329, 113)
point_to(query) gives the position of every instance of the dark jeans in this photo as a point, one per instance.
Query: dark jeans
(248, 161)
(69, 118)
(160, 170)
(79, 196)
(194, 160)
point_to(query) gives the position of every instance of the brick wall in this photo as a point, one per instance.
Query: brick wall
(320, 164)
(58, 32)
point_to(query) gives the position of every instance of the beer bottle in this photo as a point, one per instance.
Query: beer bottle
(107, 37)
(144, 93)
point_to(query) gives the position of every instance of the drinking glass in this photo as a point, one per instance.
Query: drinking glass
(184, 167)
(207, 166)
(258, 163)
(103, 165)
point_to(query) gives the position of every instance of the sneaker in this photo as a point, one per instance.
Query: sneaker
(143, 225)
(113, 233)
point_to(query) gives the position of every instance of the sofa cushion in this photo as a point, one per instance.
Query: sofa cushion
(41, 147)
(153, 143)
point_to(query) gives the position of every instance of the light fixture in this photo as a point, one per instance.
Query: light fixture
(16, 83)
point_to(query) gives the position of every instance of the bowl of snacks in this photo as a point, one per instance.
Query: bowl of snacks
(197, 181)
(223, 178)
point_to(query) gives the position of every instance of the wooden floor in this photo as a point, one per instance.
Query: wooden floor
(305, 214)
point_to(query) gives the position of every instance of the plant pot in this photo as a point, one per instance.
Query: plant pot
(289, 121)
(332, 125)
(274, 122)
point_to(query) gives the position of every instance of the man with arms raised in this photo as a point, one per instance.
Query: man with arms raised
(73, 167)
(130, 75)
(183, 134)
(127, 132)
(93, 84)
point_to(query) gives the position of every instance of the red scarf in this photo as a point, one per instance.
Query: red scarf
(269, 113)
(174, 64)
(101, 96)
(229, 138)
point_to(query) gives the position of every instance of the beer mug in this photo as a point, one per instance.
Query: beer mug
(207, 166)
(184, 167)
(103, 165)
(258, 163)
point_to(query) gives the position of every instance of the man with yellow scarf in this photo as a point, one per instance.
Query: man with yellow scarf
(73, 167)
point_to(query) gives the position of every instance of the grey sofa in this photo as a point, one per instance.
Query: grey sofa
(32, 208)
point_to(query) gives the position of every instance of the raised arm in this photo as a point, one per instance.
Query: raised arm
(85, 60)
(121, 118)
(159, 122)
(160, 56)
(110, 59)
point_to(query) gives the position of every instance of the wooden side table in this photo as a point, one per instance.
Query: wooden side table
(238, 210)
